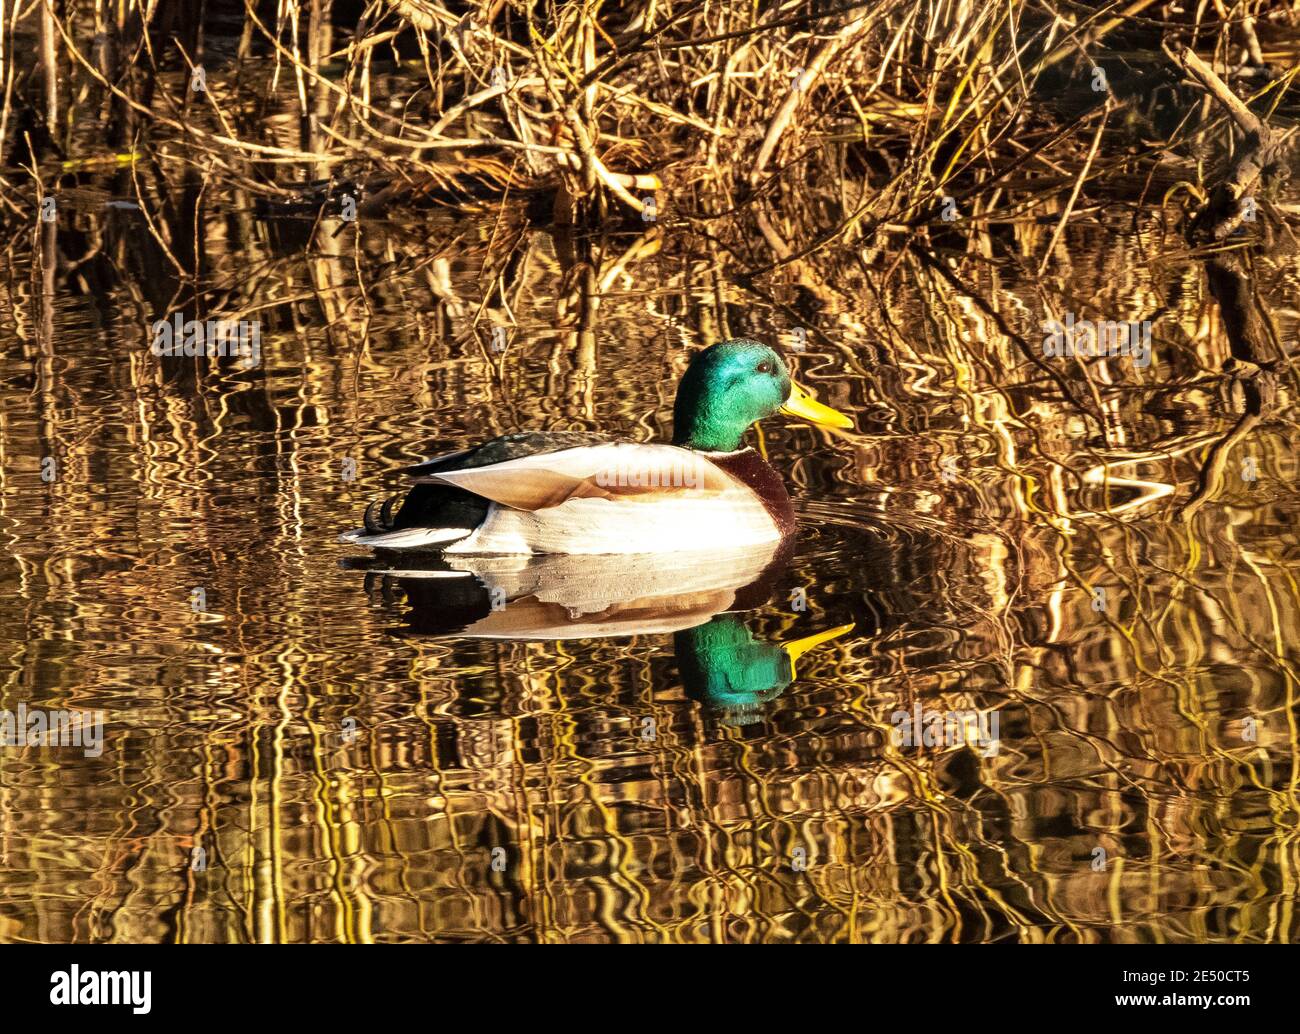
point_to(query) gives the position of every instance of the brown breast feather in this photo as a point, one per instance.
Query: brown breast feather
(752, 471)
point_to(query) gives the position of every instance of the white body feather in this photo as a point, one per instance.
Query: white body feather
(605, 499)
(623, 526)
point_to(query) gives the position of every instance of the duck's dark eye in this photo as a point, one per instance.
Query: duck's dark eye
(763, 367)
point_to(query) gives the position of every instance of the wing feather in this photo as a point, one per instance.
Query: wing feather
(617, 470)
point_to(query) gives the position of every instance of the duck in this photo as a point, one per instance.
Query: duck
(578, 492)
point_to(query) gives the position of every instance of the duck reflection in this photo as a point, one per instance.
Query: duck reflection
(697, 598)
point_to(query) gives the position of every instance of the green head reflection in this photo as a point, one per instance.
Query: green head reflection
(723, 666)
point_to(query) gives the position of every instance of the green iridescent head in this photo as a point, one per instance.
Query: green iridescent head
(733, 384)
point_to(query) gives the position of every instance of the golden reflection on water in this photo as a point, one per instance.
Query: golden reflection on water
(347, 766)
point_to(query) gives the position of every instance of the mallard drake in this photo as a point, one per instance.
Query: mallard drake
(576, 492)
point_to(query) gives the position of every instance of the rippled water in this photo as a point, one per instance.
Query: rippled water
(306, 750)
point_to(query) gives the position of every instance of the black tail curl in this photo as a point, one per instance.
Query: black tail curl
(379, 515)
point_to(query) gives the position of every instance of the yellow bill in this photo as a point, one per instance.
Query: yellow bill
(799, 647)
(802, 405)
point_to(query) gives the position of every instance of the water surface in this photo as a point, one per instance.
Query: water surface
(308, 751)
